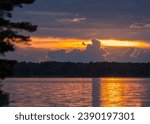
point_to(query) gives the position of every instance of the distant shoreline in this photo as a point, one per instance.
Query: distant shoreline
(81, 70)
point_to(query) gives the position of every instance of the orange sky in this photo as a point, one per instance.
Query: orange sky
(68, 44)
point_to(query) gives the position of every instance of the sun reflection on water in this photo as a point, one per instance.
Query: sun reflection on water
(116, 92)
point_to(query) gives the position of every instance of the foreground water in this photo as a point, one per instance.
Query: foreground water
(65, 92)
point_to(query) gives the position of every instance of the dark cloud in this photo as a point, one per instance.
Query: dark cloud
(120, 34)
(93, 52)
(111, 15)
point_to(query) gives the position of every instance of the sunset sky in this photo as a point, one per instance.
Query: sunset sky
(121, 26)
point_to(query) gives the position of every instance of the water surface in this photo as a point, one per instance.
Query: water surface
(78, 92)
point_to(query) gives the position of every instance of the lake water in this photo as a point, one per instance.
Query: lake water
(78, 92)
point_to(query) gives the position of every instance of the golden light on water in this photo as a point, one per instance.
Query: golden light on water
(116, 92)
(69, 44)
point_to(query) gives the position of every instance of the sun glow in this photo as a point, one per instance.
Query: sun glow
(125, 43)
(68, 43)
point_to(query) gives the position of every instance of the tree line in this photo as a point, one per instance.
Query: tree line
(69, 69)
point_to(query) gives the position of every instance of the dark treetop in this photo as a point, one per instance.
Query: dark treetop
(10, 31)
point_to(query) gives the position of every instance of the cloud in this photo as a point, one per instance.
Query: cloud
(74, 20)
(134, 55)
(102, 18)
(93, 52)
(140, 26)
(47, 13)
(27, 54)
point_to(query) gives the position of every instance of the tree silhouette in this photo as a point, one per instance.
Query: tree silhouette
(11, 32)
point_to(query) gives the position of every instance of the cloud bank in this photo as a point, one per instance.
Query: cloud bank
(93, 53)
(96, 53)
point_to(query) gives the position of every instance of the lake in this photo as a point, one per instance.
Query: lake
(78, 92)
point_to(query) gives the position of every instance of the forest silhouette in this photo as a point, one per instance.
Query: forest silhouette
(69, 69)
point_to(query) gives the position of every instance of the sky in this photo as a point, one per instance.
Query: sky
(67, 28)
